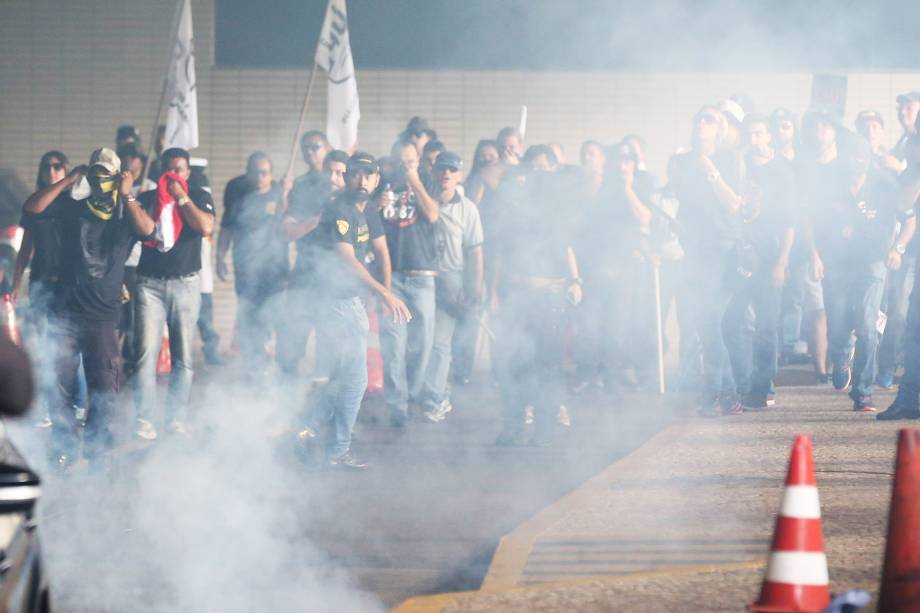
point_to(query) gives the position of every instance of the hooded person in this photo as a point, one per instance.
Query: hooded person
(97, 231)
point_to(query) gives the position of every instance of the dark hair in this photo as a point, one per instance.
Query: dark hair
(506, 132)
(477, 165)
(433, 146)
(253, 160)
(336, 155)
(172, 153)
(591, 143)
(535, 151)
(758, 118)
(45, 159)
(129, 151)
(311, 134)
(637, 138)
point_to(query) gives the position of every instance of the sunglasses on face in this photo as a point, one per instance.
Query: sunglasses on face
(313, 147)
(264, 173)
(53, 166)
(450, 169)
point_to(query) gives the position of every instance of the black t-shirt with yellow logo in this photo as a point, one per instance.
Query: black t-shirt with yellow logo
(342, 222)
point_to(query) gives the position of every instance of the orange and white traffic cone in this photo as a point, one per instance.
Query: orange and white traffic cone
(10, 326)
(796, 580)
(900, 589)
(374, 357)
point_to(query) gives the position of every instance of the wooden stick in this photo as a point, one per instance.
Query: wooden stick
(660, 325)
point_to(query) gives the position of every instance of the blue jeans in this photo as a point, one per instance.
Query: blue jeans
(898, 291)
(852, 300)
(301, 315)
(753, 346)
(436, 388)
(174, 303)
(909, 388)
(406, 348)
(708, 277)
(342, 339)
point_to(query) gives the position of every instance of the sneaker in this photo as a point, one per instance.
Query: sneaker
(885, 379)
(771, 399)
(733, 408)
(710, 409)
(145, 430)
(899, 410)
(562, 416)
(439, 413)
(755, 402)
(864, 405)
(842, 376)
(44, 423)
(822, 378)
(307, 434)
(528, 415)
(398, 418)
(177, 427)
(347, 461)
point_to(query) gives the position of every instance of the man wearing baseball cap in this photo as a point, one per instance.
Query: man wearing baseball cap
(97, 232)
(871, 126)
(352, 239)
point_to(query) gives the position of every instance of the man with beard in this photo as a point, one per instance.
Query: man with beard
(352, 239)
(409, 218)
(97, 233)
(768, 234)
(536, 280)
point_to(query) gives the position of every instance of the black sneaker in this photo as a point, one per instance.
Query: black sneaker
(899, 410)
(842, 376)
(863, 405)
(347, 461)
(821, 378)
(755, 402)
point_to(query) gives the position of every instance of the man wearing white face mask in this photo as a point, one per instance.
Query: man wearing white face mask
(97, 232)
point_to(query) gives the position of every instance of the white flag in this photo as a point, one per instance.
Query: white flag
(333, 54)
(182, 115)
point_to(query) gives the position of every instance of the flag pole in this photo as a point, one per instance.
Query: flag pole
(306, 100)
(156, 122)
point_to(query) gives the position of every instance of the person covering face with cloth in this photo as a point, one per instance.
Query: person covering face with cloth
(97, 232)
(168, 287)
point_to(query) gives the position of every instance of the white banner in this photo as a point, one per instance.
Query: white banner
(182, 115)
(333, 54)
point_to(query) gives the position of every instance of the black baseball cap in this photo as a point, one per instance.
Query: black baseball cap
(362, 161)
(449, 159)
(908, 97)
(127, 133)
(337, 155)
(623, 151)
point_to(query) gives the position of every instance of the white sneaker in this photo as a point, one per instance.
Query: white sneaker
(528, 415)
(177, 426)
(439, 413)
(145, 430)
(563, 416)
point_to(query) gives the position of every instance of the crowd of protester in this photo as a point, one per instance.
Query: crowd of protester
(769, 239)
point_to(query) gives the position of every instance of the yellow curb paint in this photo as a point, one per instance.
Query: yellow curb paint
(438, 602)
(513, 550)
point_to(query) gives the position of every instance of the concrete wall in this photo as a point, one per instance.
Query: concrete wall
(71, 71)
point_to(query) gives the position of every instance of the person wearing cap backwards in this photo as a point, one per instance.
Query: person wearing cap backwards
(707, 181)
(169, 289)
(908, 117)
(458, 239)
(97, 233)
(769, 232)
(409, 216)
(302, 213)
(351, 240)
(536, 282)
(857, 242)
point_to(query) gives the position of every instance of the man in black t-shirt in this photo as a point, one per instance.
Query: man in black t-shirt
(260, 261)
(169, 288)
(856, 245)
(707, 182)
(767, 239)
(409, 215)
(97, 233)
(351, 239)
(301, 218)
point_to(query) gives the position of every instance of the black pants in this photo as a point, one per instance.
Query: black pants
(97, 341)
(529, 354)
